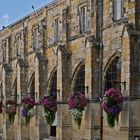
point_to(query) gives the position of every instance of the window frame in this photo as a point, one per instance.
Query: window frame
(53, 85)
(79, 83)
(113, 74)
(116, 7)
(4, 49)
(35, 37)
(18, 44)
(56, 29)
(83, 18)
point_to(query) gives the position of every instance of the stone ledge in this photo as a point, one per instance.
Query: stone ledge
(124, 128)
(50, 138)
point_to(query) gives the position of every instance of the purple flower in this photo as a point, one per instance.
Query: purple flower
(28, 102)
(49, 102)
(77, 99)
(112, 101)
(114, 110)
(114, 94)
(24, 112)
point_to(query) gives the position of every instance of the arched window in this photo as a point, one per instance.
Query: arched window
(14, 91)
(113, 74)
(53, 92)
(1, 95)
(14, 94)
(32, 86)
(80, 80)
(53, 85)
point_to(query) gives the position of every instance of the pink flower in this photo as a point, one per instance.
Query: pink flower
(77, 99)
(10, 107)
(113, 98)
(28, 102)
(49, 102)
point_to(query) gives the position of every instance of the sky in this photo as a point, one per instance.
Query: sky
(13, 10)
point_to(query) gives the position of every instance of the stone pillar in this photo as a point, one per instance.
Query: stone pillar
(6, 79)
(23, 91)
(64, 131)
(40, 127)
(125, 76)
(17, 124)
(92, 112)
(134, 102)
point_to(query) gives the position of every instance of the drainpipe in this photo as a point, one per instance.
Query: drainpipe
(101, 64)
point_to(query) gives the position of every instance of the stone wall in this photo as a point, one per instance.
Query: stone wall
(73, 49)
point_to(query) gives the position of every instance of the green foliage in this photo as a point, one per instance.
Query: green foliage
(49, 115)
(11, 118)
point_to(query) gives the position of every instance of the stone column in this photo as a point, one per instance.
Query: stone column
(23, 91)
(6, 82)
(134, 83)
(64, 131)
(17, 124)
(40, 128)
(92, 112)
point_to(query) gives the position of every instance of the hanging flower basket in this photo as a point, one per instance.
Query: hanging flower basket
(112, 105)
(77, 103)
(50, 108)
(1, 107)
(28, 109)
(11, 110)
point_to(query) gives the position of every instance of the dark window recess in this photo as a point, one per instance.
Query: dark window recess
(32, 88)
(15, 91)
(113, 75)
(80, 80)
(1, 95)
(53, 131)
(53, 86)
(53, 92)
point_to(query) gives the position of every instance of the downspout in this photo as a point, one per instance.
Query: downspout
(101, 64)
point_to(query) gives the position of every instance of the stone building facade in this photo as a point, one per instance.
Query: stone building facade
(72, 45)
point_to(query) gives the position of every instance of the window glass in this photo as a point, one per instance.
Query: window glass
(84, 20)
(56, 30)
(113, 75)
(53, 86)
(80, 80)
(118, 9)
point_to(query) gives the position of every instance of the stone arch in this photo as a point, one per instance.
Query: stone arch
(112, 73)
(79, 68)
(52, 86)
(52, 91)
(1, 94)
(31, 85)
(110, 60)
(50, 77)
(14, 89)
